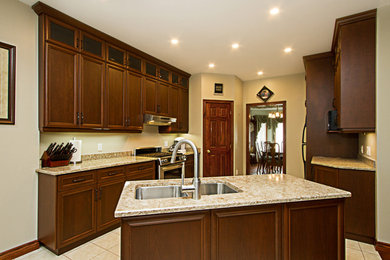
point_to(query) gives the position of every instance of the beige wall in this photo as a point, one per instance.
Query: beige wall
(201, 88)
(367, 139)
(383, 124)
(112, 142)
(290, 88)
(19, 142)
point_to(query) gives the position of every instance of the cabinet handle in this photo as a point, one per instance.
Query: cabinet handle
(142, 168)
(158, 108)
(112, 173)
(78, 118)
(82, 118)
(77, 42)
(96, 194)
(334, 103)
(78, 180)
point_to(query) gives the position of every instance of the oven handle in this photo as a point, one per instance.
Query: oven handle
(171, 167)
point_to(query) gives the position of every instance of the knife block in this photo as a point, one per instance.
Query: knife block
(46, 162)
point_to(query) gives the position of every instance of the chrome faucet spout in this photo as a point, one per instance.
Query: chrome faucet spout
(195, 187)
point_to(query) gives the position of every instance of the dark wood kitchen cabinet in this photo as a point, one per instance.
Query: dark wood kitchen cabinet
(189, 166)
(90, 81)
(354, 91)
(91, 113)
(360, 208)
(278, 231)
(115, 97)
(60, 103)
(183, 111)
(77, 207)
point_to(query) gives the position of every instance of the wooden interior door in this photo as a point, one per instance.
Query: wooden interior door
(217, 138)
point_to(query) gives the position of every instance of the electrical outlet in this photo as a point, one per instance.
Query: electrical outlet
(368, 151)
(362, 149)
(237, 172)
(165, 143)
(100, 147)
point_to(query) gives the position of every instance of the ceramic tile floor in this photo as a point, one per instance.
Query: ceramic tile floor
(107, 247)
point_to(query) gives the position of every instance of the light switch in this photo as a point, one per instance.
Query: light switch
(100, 147)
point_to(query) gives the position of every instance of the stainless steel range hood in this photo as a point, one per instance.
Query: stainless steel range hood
(158, 120)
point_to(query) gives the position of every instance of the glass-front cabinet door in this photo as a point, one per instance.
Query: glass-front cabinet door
(62, 34)
(164, 74)
(134, 62)
(116, 55)
(92, 46)
(151, 69)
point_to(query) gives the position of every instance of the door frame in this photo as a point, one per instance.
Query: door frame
(231, 103)
(248, 106)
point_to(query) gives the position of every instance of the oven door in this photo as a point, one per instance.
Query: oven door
(171, 171)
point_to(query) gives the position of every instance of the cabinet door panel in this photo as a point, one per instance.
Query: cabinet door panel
(92, 45)
(92, 86)
(62, 34)
(150, 93)
(360, 208)
(326, 175)
(109, 194)
(115, 97)
(116, 55)
(170, 236)
(189, 166)
(76, 215)
(163, 99)
(246, 233)
(61, 87)
(183, 110)
(134, 99)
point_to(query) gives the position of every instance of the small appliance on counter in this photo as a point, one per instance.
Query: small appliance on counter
(182, 148)
(57, 155)
(76, 157)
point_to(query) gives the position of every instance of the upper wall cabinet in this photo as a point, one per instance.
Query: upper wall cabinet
(354, 45)
(90, 81)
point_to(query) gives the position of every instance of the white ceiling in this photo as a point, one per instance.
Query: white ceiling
(207, 28)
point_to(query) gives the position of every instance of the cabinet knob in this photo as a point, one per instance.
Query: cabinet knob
(208, 151)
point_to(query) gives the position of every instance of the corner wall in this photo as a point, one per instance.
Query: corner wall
(292, 89)
(383, 124)
(20, 142)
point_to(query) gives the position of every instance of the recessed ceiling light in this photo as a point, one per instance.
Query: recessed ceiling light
(287, 50)
(260, 73)
(174, 41)
(211, 65)
(235, 45)
(274, 11)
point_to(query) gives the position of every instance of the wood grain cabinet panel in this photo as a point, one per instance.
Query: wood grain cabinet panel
(313, 230)
(355, 71)
(326, 175)
(141, 171)
(170, 236)
(163, 99)
(134, 101)
(61, 87)
(76, 215)
(246, 233)
(115, 97)
(189, 166)
(91, 92)
(150, 96)
(360, 208)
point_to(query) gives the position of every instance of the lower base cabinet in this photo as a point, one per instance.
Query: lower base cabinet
(77, 207)
(304, 230)
(360, 208)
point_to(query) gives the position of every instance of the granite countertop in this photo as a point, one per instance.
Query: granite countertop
(342, 163)
(255, 190)
(94, 164)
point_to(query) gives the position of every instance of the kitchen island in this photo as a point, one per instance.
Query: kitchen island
(269, 217)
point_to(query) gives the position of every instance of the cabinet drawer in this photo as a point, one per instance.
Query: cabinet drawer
(76, 180)
(139, 167)
(111, 174)
(141, 175)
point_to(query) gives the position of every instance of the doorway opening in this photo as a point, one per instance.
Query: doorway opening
(266, 138)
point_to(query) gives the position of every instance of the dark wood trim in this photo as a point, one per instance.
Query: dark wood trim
(11, 83)
(350, 19)
(232, 128)
(41, 8)
(248, 106)
(317, 56)
(19, 250)
(91, 130)
(383, 249)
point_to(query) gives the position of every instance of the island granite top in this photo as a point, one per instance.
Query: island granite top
(255, 190)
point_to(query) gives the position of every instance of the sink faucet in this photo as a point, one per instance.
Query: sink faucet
(195, 187)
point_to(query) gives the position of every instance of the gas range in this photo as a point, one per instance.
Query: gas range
(164, 158)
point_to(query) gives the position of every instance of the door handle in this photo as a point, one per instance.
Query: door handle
(208, 151)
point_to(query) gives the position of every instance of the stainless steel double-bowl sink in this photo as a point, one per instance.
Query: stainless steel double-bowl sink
(174, 191)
